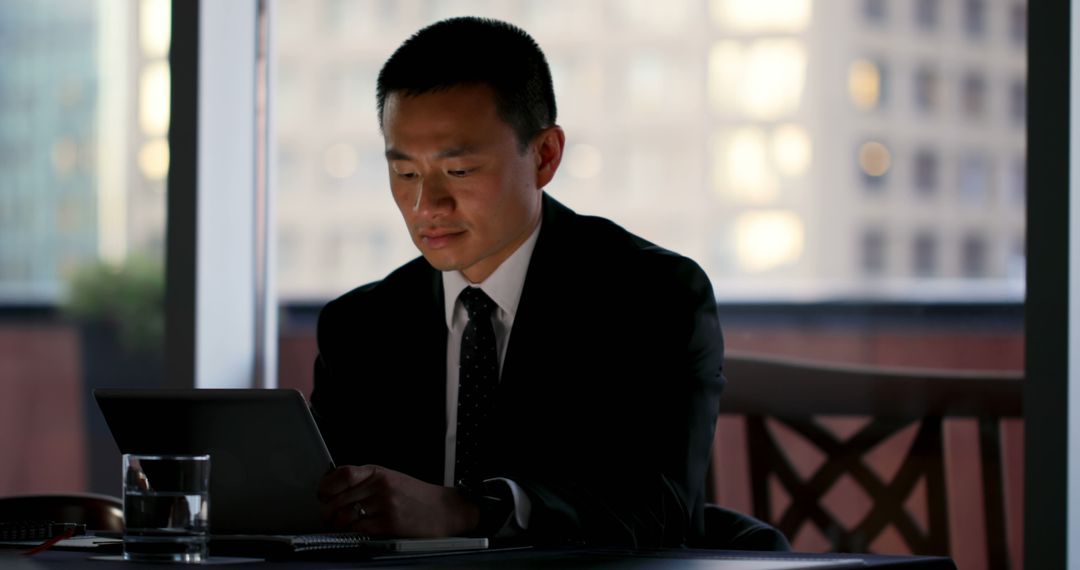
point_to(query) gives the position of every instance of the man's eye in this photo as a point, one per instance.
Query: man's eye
(459, 172)
(406, 175)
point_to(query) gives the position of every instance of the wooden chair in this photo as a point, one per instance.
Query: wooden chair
(783, 400)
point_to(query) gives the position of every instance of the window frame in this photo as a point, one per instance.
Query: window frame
(1050, 528)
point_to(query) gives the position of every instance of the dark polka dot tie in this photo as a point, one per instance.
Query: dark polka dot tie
(478, 374)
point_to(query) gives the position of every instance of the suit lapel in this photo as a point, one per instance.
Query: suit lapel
(534, 309)
(426, 362)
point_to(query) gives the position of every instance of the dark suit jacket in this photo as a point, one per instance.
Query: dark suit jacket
(607, 402)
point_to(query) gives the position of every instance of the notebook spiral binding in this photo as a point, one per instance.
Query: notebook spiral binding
(37, 530)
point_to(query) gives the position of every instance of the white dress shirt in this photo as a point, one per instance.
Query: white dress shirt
(504, 287)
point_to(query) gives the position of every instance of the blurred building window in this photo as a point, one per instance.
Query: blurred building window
(875, 11)
(973, 94)
(924, 254)
(973, 256)
(568, 17)
(1017, 261)
(926, 166)
(762, 79)
(974, 17)
(1018, 101)
(1016, 182)
(339, 161)
(288, 247)
(332, 251)
(694, 124)
(874, 163)
(290, 166)
(867, 83)
(761, 16)
(927, 89)
(927, 14)
(290, 89)
(974, 178)
(347, 17)
(344, 85)
(1018, 23)
(84, 115)
(648, 17)
(872, 252)
(658, 83)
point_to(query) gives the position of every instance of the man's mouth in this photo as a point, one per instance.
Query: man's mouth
(436, 239)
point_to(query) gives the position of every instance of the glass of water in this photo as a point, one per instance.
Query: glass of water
(166, 507)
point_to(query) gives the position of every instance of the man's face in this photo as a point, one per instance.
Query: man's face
(468, 194)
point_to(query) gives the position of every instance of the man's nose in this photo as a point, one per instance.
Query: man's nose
(433, 196)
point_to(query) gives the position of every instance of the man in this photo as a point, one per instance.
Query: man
(535, 372)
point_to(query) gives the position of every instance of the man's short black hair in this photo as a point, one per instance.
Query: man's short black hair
(476, 51)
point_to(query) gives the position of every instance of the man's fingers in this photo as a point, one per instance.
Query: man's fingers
(341, 479)
(360, 494)
(340, 515)
(367, 517)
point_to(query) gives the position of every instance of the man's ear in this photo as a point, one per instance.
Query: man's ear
(548, 150)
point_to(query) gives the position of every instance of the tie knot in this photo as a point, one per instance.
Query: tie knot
(477, 303)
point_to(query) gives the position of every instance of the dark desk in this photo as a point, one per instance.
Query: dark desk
(538, 559)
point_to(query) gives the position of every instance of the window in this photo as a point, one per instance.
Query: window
(924, 255)
(345, 84)
(1018, 101)
(973, 256)
(926, 172)
(874, 161)
(654, 17)
(886, 83)
(347, 17)
(658, 83)
(741, 173)
(290, 167)
(1018, 23)
(973, 95)
(1017, 261)
(333, 251)
(872, 253)
(759, 79)
(927, 89)
(697, 125)
(84, 115)
(875, 11)
(974, 178)
(974, 18)
(867, 83)
(927, 14)
(1016, 181)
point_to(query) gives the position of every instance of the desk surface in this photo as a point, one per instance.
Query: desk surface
(537, 559)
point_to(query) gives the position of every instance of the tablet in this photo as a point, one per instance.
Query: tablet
(266, 453)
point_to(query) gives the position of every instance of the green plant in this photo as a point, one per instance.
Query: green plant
(129, 296)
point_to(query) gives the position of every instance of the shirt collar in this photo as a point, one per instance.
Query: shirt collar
(504, 285)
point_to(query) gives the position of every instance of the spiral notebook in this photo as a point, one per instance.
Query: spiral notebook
(349, 544)
(37, 530)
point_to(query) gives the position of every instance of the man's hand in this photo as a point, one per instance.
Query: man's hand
(376, 501)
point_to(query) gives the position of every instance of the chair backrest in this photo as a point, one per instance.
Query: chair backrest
(842, 415)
